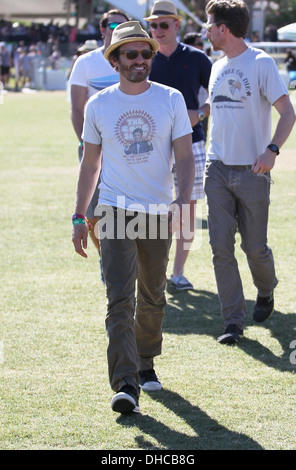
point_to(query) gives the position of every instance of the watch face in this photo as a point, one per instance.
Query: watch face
(273, 148)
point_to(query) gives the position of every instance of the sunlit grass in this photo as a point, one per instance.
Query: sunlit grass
(54, 382)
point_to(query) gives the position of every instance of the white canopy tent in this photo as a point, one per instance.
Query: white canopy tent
(33, 8)
(62, 11)
(287, 33)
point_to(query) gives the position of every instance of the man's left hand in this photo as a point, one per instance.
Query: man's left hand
(264, 163)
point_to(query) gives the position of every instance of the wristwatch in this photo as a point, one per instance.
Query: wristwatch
(201, 115)
(274, 148)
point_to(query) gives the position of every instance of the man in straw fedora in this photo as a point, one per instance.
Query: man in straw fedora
(91, 73)
(134, 203)
(187, 69)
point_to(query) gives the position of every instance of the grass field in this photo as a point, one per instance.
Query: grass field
(54, 384)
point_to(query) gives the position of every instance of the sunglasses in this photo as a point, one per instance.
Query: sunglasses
(113, 25)
(208, 26)
(162, 25)
(133, 54)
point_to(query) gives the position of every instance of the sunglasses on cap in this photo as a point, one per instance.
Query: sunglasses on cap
(133, 54)
(162, 25)
(113, 25)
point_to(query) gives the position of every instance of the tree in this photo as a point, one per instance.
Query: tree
(285, 14)
(198, 7)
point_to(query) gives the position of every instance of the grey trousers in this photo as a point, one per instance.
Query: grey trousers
(133, 323)
(237, 198)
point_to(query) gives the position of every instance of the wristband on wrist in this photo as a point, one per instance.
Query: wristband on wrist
(79, 219)
(78, 216)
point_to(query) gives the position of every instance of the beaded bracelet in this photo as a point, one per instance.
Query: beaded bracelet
(89, 224)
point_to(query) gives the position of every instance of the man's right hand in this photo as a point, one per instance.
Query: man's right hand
(79, 239)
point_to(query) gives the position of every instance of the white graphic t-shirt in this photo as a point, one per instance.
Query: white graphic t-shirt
(136, 132)
(93, 71)
(241, 92)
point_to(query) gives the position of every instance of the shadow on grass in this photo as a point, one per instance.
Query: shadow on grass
(198, 312)
(208, 434)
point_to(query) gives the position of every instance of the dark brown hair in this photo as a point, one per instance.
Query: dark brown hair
(233, 13)
(105, 17)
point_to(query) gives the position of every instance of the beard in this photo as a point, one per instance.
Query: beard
(132, 74)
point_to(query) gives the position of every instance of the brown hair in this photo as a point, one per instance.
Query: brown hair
(105, 17)
(233, 13)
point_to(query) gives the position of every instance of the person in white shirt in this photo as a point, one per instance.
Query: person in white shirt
(91, 73)
(244, 85)
(136, 196)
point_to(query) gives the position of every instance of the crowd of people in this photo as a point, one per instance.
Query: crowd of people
(65, 36)
(25, 47)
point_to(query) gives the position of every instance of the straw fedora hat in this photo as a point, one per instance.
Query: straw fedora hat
(89, 45)
(163, 9)
(129, 31)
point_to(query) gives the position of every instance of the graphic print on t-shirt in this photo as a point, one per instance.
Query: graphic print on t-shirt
(100, 83)
(231, 86)
(135, 131)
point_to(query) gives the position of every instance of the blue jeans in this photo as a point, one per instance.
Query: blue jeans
(238, 199)
(133, 323)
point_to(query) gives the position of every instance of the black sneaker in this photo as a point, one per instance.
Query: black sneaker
(149, 381)
(126, 400)
(231, 335)
(263, 308)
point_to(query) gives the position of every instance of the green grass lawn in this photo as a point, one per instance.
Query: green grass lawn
(54, 384)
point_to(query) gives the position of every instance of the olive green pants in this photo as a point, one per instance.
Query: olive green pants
(134, 250)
